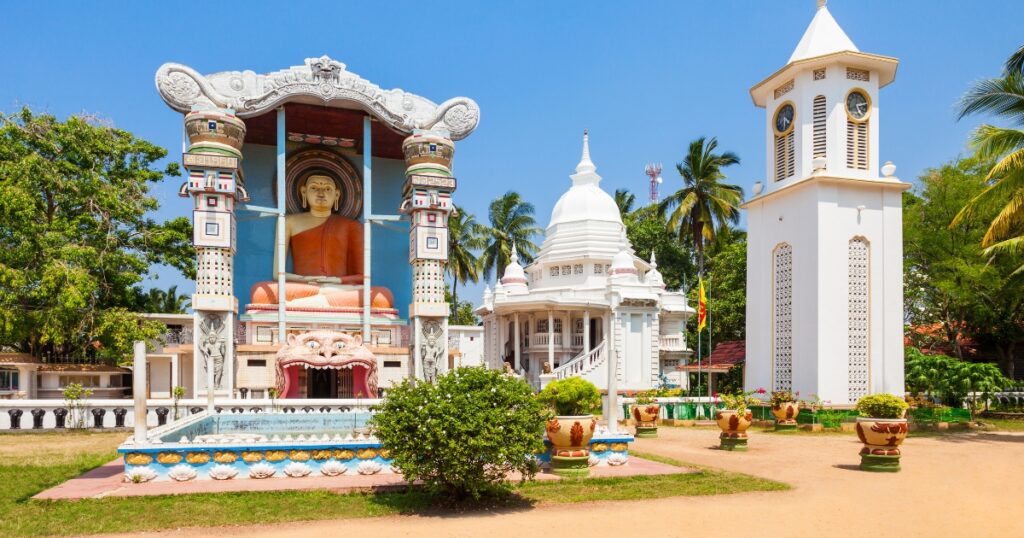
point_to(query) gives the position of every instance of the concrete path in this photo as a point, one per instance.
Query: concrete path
(954, 485)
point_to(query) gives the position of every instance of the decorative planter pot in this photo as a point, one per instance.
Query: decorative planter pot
(785, 415)
(646, 417)
(882, 438)
(570, 439)
(734, 428)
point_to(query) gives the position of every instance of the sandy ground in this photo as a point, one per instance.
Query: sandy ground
(954, 485)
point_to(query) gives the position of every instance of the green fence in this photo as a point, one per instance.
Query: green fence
(931, 415)
(682, 410)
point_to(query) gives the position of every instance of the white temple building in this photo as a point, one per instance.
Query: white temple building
(825, 232)
(587, 306)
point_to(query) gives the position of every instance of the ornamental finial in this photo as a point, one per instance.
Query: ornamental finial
(821, 3)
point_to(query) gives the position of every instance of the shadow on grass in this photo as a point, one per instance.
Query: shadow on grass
(418, 501)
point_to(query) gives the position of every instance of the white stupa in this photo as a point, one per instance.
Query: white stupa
(586, 306)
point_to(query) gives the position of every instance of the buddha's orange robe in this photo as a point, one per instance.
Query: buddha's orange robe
(335, 248)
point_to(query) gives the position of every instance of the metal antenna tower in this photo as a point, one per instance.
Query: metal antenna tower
(653, 171)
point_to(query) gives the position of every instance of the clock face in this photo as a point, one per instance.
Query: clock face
(784, 118)
(857, 105)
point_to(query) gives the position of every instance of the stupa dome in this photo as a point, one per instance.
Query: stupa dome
(514, 278)
(585, 200)
(622, 263)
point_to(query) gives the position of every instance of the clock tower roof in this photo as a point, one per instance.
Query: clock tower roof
(825, 43)
(823, 36)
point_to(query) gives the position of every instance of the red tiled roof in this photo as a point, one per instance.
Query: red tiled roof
(724, 356)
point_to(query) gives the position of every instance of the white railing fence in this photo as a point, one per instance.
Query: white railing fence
(57, 414)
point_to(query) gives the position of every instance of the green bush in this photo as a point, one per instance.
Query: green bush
(572, 396)
(881, 406)
(463, 435)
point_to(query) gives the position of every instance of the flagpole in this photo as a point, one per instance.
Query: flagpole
(707, 318)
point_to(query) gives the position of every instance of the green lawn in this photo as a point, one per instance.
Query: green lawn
(34, 462)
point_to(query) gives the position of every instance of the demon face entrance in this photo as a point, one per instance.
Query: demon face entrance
(329, 383)
(326, 364)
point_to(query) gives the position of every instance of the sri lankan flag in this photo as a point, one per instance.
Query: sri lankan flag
(702, 308)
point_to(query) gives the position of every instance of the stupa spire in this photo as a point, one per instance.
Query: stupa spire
(586, 171)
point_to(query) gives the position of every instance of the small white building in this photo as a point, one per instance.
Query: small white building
(586, 306)
(825, 243)
(465, 346)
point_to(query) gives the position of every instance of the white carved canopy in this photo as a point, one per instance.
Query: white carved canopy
(321, 81)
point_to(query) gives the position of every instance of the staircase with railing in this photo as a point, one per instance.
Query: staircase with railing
(582, 364)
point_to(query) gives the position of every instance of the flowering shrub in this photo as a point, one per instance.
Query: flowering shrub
(463, 435)
(780, 397)
(646, 397)
(572, 396)
(740, 401)
(881, 406)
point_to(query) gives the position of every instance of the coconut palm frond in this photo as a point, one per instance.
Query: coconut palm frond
(998, 96)
(1009, 220)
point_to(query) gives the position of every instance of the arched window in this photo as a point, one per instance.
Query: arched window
(782, 317)
(820, 136)
(858, 339)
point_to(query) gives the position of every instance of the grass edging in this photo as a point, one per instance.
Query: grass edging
(27, 517)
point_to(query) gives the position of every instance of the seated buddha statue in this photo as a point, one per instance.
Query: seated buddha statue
(327, 256)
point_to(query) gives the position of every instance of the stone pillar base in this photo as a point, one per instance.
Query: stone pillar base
(879, 464)
(570, 466)
(647, 432)
(783, 425)
(733, 444)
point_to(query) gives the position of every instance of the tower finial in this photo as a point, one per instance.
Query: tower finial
(821, 3)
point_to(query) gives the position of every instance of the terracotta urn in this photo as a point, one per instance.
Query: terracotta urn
(785, 415)
(882, 438)
(734, 428)
(570, 440)
(646, 417)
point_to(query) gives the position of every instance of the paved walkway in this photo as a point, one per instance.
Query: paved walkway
(956, 485)
(108, 481)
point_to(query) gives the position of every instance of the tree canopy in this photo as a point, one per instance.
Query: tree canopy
(950, 283)
(74, 199)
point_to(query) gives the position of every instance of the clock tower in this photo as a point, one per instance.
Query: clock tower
(825, 242)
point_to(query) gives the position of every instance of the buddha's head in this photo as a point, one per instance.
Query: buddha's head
(320, 194)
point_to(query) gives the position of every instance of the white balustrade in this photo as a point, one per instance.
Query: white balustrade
(108, 410)
(582, 363)
(672, 342)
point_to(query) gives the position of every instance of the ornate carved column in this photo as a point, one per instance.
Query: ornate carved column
(428, 201)
(213, 164)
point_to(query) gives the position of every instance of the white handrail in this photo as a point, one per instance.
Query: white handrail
(582, 363)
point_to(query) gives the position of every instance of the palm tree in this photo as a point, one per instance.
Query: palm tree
(158, 301)
(511, 223)
(625, 200)
(1002, 97)
(174, 303)
(704, 204)
(465, 236)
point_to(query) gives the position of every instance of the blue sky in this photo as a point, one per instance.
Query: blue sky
(644, 78)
